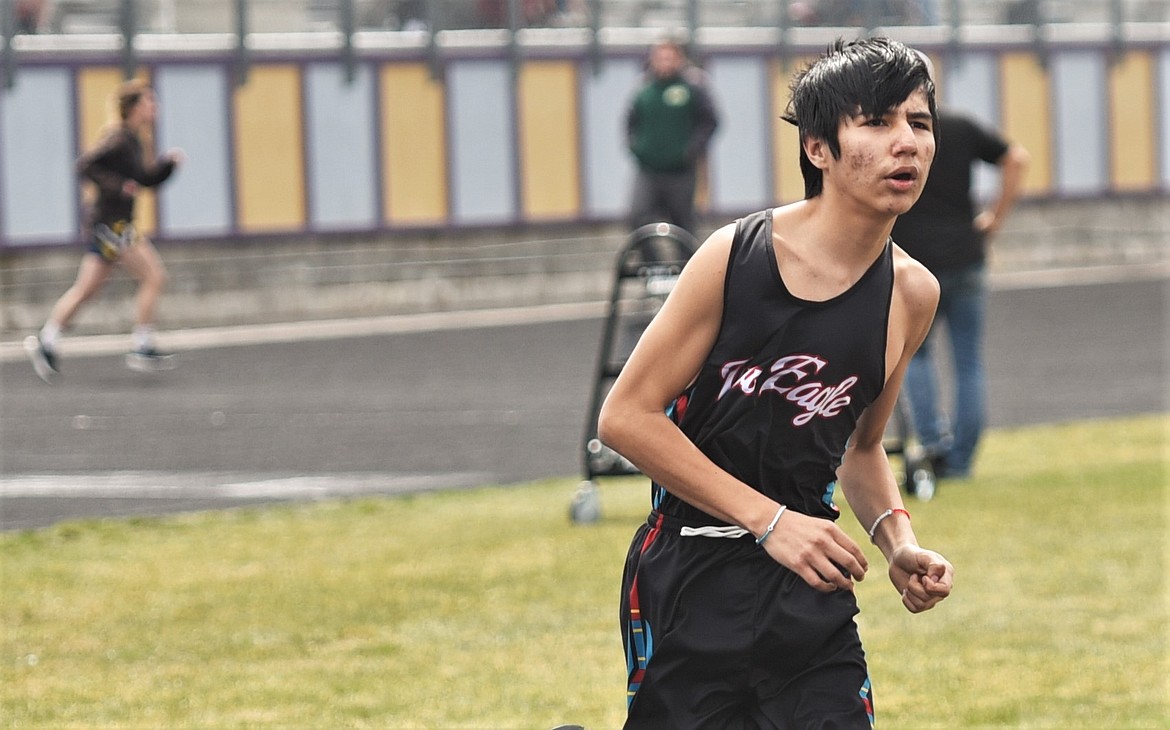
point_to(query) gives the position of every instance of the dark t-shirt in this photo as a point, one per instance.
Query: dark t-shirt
(938, 230)
(116, 158)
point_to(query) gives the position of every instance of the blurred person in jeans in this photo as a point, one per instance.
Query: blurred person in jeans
(947, 233)
(668, 125)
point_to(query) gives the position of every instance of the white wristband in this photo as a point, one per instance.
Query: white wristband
(882, 516)
(771, 525)
(878, 521)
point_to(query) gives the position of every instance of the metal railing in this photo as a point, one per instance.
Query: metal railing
(238, 20)
(279, 16)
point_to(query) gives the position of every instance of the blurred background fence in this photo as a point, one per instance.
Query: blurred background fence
(440, 138)
(265, 16)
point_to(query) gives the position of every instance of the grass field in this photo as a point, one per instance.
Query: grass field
(488, 609)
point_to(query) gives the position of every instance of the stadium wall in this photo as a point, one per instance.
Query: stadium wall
(426, 155)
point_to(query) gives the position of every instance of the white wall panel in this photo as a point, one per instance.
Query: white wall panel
(481, 116)
(37, 151)
(193, 100)
(342, 157)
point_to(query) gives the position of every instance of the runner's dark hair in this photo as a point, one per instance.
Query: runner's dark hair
(866, 77)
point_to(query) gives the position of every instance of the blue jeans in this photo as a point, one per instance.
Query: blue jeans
(961, 309)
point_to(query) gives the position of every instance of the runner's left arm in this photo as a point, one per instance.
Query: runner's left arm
(922, 577)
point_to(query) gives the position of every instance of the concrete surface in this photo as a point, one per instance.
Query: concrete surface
(294, 279)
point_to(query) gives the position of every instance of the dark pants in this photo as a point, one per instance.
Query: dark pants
(664, 196)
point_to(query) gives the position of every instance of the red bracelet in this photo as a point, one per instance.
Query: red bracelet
(899, 509)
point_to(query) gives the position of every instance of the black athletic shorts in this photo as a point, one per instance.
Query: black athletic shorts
(719, 635)
(109, 241)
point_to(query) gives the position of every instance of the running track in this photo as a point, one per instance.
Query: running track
(403, 404)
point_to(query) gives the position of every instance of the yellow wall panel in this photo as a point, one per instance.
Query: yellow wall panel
(1131, 123)
(269, 149)
(550, 168)
(1027, 115)
(414, 158)
(940, 73)
(788, 182)
(96, 110)
(95, 89)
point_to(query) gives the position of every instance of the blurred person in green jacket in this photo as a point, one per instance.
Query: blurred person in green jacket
(668, 125)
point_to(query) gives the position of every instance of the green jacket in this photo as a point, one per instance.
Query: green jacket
(669, 124)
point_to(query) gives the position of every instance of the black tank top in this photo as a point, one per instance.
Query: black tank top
(781, 390)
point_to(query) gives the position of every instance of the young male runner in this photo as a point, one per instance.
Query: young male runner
(118, 167)
(765, 381)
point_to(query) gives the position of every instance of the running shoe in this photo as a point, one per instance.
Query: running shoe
(150, 360)
(44, 360)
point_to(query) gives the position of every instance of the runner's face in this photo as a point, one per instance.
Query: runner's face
(884, 158)
(146, 109)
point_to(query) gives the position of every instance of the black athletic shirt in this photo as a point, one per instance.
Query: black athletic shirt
(781, 390)
(118, 157)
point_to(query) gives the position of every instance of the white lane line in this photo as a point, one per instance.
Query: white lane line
(208, 337)
(208, 485)
(1015, 280)
(238, 335)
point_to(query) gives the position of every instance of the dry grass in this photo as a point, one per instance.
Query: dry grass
(488, 609)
